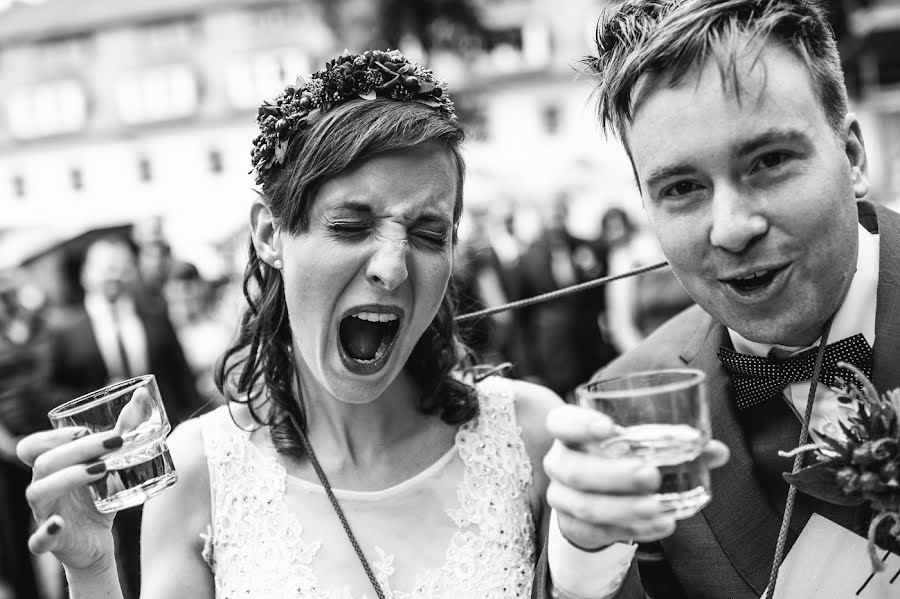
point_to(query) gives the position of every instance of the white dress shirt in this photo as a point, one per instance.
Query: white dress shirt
(104, 317)
(581, 575)
(856, 315)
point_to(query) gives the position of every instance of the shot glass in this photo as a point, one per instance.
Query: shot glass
(662, 418)
(142, 467)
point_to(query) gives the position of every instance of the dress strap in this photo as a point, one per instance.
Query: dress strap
(491, 447)
(225, 446)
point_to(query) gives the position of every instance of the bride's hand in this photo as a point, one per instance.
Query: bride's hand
(64, 461)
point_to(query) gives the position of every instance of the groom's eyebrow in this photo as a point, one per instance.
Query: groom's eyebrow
(774, 136)
(667, 172)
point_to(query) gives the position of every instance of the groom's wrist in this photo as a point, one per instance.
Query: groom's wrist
(589, 573)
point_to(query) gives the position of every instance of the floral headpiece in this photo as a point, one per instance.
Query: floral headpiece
(373, 74)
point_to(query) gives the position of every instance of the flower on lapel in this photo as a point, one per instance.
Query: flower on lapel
(863, 467)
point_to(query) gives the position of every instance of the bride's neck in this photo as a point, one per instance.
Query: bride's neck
(361, 432)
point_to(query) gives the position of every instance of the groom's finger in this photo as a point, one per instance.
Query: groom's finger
(716, 454)
(574, 425)
(598, 474)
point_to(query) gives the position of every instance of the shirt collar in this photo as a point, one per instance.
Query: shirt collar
(857, 312)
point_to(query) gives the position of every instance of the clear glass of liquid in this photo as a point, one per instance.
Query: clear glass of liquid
(661, 417)
(142, 467)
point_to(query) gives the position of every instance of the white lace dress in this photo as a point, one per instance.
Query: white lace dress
(460, 529)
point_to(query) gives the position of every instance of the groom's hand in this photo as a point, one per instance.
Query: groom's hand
(600, 500)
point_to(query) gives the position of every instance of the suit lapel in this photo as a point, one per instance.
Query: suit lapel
(739, 515)
(886, 369)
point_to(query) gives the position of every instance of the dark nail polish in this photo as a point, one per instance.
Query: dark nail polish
(97, 467)
(113, 442)
(53, 528)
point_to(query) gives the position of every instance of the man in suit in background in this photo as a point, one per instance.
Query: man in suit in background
(752, 173)
(114, 335)
(567, 345)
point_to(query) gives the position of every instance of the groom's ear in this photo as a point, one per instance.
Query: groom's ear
(264, 233)
(855, 149)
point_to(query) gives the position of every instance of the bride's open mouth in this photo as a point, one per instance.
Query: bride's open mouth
(366, 337)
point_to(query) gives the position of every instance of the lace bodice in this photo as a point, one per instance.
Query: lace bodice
(461, 529)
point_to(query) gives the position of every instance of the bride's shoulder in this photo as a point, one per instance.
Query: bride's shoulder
(532, 403)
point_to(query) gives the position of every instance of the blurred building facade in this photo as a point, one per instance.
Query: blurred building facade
(871, 52)
(114, 111)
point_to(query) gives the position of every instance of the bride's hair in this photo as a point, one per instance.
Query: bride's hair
(260, 362)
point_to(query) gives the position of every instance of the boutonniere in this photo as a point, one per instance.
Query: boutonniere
(863, 467)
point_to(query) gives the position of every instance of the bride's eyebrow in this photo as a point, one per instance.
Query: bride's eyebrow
(351, 207)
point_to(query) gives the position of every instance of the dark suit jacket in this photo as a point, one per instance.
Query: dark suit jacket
(727, 549)
(77, 365)
(564, 336)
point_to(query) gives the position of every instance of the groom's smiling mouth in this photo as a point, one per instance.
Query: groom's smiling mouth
(757, 283)
(366, 337)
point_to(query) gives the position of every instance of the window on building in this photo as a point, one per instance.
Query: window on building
(157, 94)
(45, 109)
(215, 161)
(65, 50)
(274, 17)
(76, 178)
(18, 186)
(169, 33)
(254, 77)
(145, 169)
(550, 117)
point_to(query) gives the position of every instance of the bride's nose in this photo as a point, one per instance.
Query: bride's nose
(387, 266)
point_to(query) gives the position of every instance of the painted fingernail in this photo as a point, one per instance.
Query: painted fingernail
(97, 467)
(53, 528)
(113, 442)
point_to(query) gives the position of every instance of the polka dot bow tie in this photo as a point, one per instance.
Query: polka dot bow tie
(758, 379)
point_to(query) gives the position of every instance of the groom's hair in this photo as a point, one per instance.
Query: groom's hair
(670, 38)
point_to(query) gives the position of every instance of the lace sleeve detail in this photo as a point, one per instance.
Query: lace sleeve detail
(495, 514)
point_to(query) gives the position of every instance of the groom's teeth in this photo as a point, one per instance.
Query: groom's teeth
(753, 276)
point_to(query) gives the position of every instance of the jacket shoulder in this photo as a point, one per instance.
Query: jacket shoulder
(664, 347)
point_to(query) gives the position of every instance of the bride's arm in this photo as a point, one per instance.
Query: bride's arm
(171, 562)
(533, 403)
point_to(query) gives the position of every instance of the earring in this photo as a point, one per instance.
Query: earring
(277, 264)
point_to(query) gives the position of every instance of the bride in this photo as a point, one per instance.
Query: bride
(352, 458)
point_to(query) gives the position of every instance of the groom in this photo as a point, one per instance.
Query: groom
(752, 173)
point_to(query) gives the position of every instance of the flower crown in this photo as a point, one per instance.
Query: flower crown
(373, 74)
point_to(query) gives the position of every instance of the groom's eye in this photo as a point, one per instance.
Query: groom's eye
(770, 160)
(681, 188)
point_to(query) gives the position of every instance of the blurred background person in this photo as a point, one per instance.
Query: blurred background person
(487, 274)
(636, 306)
(116, 333)
(564, 334)
(202, 323)
(23, 376)
(154, 258)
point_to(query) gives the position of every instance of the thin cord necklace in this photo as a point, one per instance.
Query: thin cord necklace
(307, 448)
(798, 462)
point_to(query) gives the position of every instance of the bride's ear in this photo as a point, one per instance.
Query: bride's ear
(265, 234)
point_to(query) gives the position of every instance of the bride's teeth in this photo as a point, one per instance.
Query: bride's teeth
(375, 317)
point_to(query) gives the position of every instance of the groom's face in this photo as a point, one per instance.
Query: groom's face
(752, 195)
